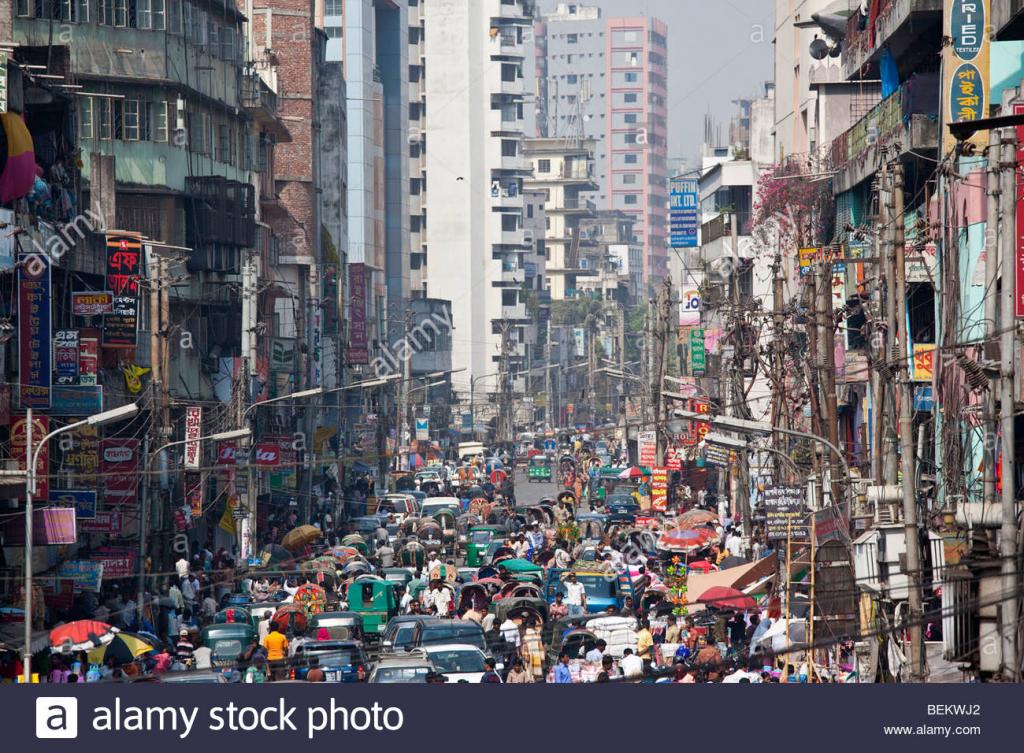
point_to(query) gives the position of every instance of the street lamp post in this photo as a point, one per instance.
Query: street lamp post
(140, 584)
(315, 392)
(32, 457)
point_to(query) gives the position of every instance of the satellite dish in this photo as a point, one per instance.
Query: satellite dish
(819, 49)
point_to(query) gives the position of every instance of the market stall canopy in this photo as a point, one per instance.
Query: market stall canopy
(735, 577)
(694, 518)
(724, 597)
(519, 566)
(689, 540)
(122, 650)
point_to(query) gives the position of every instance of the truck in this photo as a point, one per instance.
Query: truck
(469, 450)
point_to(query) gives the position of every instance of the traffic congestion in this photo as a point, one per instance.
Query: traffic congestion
(538, 562)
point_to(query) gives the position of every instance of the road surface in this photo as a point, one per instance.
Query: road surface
(528, 494)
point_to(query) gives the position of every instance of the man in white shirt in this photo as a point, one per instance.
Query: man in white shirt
(263, 629)
(181, 568)
(575, 596)
(440, 598)
(209, 607)
(596, 654)
(632, 666)
(734, 543)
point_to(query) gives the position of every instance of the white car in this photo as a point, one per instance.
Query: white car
(459, 662)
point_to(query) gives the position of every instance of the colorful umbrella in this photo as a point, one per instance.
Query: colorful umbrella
(723, 597)
(687, 540)
(694, 518)
(312, 598)
(81, 635)
(297, 538)
(633, 472)
(123, 649)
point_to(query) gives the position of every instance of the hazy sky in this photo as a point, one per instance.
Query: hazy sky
(714, 57)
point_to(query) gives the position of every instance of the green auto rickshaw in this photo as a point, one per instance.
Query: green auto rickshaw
(227, 641)
(374, 600)
(478, 539)
(539, 470)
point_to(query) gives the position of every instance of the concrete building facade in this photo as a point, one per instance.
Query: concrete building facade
(474, 55)
(606, 79)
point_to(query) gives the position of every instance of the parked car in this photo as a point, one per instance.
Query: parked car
(401, 668)
(458, 662)
(340, 661)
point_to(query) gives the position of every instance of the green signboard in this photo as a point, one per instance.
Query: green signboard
(698, 354)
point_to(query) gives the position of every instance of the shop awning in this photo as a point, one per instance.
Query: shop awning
(737, 577)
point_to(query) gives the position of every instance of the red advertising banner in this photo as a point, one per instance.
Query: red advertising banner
(124, 267)
(1018, 249)
(88, 360)
(673, 461)
(701, 428)
(659, 489)
(106, 521)
(358, 335)
(193, 430)
(92, 303)
(268, 454)
(118, 562)
(226, 452)
(19, 450)
(119, 465)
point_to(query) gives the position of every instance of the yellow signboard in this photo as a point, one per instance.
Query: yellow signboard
(965, 66)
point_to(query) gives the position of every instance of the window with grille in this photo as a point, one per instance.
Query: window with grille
(85, 122)
(131, 120)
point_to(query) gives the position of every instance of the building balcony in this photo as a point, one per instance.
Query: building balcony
(907, 118)
(573, 206)
(901, 25)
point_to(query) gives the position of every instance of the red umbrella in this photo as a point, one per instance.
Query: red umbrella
(633, 472)
(689, 540)
(694, 518)
(722, 597)
(81, 635)
(290, 617)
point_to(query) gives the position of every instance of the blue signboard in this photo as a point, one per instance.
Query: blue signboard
(83, 501)
(77, 400)
(924, 399)
(684, 203)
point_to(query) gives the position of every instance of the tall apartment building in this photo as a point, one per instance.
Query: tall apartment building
(563, 169)
(475, 130)
(369, 38)
(417, 149)
(606, 79)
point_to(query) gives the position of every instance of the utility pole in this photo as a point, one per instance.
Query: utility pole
(892, 219)
(917, 659)
(737, 399)
(814, 370)
(1008, 238)
(660, 346)
(827, 343)
(877, 344)
(992, 233)
(779, 412)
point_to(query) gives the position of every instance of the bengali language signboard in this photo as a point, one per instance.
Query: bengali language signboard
(119, 464)
(659, 489)
(785, 513)
(124, 267)
(34, 322)
(65, 356)
(965, 66)
(85, 574)
(19, 450)
(193, 430)
(647, 448)
(82, 500)
(106, 521)
(80, 458)
(92, 303)
(698, 355)
(358, 335)
(88, 361)
(118, 562)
